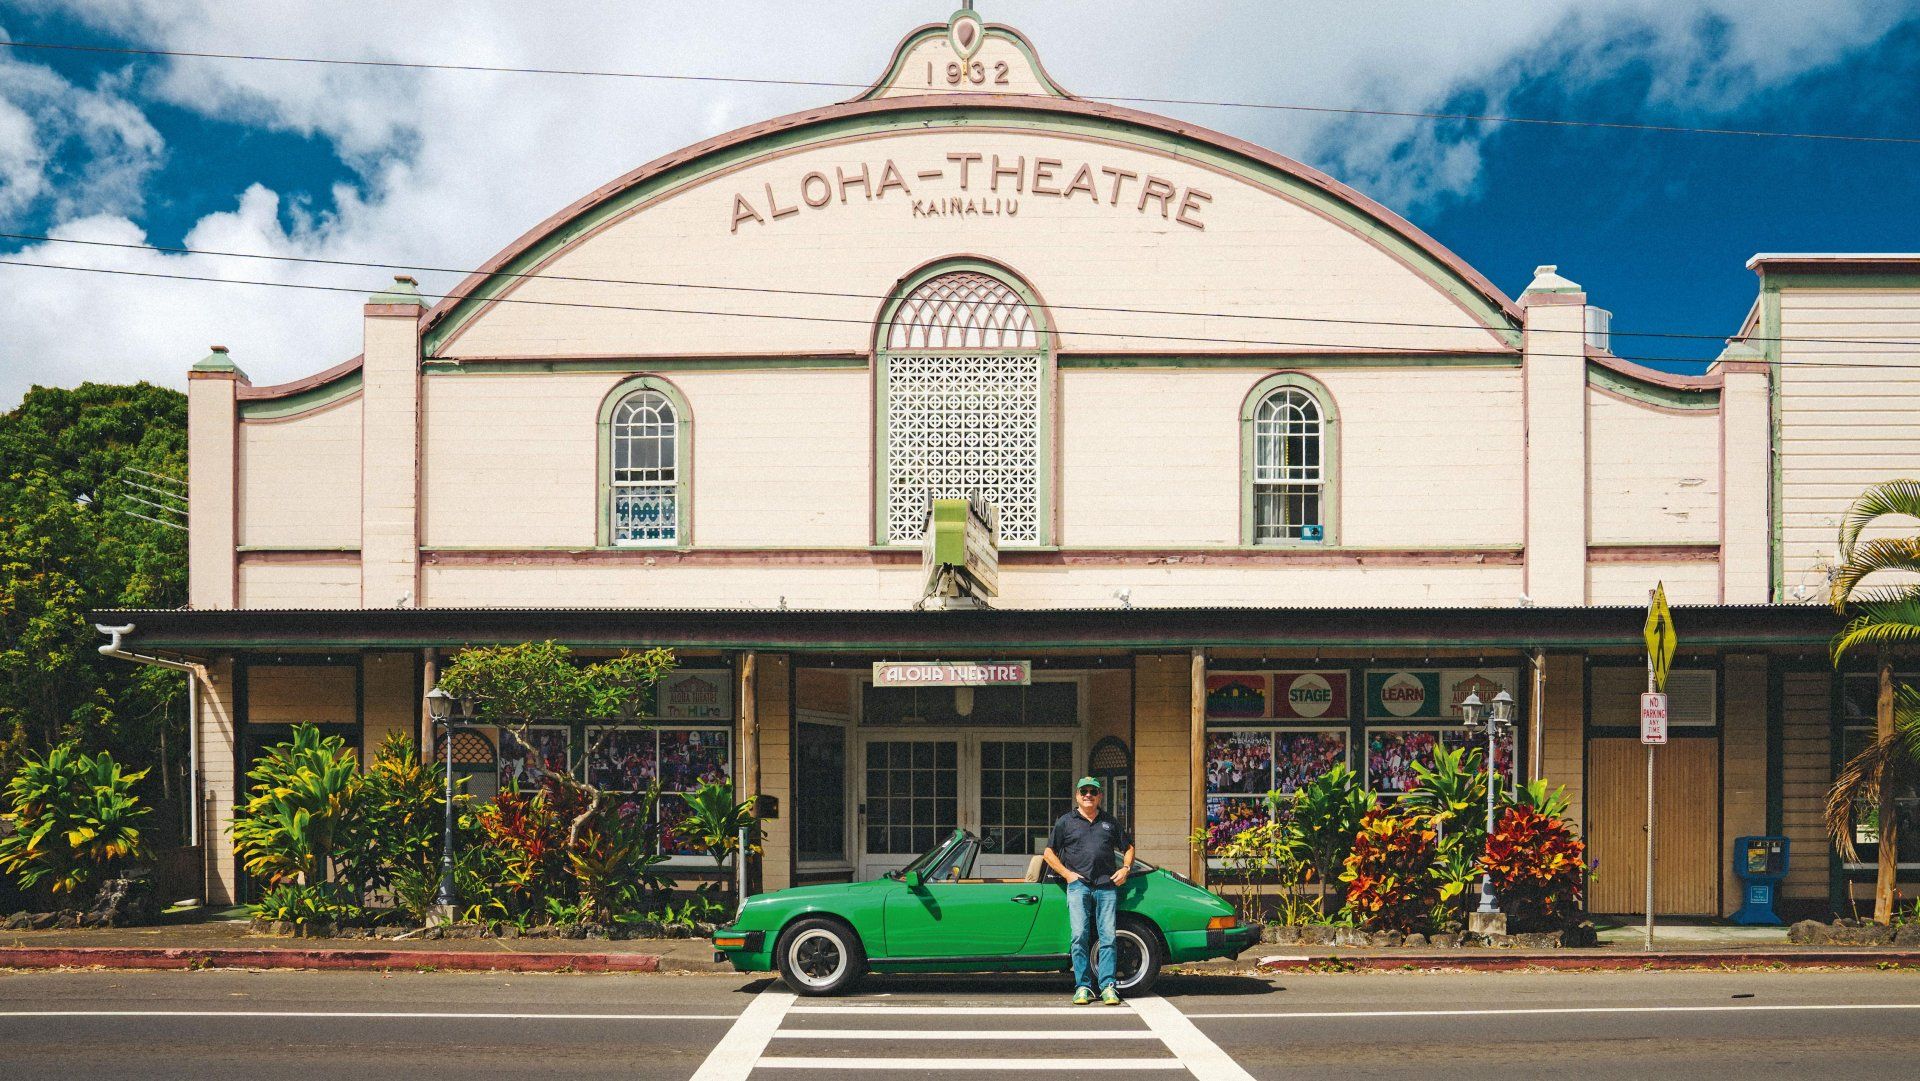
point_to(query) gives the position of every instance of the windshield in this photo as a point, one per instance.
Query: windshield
(951, 858)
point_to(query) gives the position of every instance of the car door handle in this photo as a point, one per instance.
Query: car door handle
(1025, 899)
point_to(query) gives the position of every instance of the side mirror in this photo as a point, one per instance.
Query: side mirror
(912, 879)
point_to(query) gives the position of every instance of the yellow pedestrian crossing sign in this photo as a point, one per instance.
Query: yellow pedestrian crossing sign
(1660, 635)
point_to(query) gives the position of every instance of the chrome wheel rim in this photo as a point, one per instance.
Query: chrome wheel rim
(817, 957)
(1130, 954)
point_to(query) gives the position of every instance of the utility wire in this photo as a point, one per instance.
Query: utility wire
(544, 275)
(1491, 118)
(1361, 350)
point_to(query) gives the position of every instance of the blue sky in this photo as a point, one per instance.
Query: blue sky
(444, 168)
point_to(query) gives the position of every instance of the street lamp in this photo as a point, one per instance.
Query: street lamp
(1500, 716)
(440, 711)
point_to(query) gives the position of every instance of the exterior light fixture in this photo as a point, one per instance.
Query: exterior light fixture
(439, 705)
(440, 709)
(1501, 717)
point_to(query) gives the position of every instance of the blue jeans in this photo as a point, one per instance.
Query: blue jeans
(1081, 897)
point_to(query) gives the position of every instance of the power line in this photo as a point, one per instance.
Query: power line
(1362, 350)
(1490, 118)
(773, 290)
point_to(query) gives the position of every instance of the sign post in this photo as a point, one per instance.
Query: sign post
(1661, 640)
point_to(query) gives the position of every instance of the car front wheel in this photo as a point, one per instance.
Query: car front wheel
(820, 957)
(1137, 957)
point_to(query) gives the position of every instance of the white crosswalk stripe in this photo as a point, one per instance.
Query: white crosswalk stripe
(775, 1023)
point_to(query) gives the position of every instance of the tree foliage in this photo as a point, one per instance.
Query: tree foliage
(74, 815)
(70, 542)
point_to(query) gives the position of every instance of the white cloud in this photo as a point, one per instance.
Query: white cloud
(446, 167)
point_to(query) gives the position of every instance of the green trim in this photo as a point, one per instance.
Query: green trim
(314, 398)
(1694, 401)
(1770, 343)
(1839, 279)
(1045, 353)
(1329, 459)
(959, 116)
(1301, 360)
(682, 464)
(216, 361)
(635, 365)
(987, 31)
(404, 290)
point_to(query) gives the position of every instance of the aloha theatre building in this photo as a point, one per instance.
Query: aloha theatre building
(1279, 480)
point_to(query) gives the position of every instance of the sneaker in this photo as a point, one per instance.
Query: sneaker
(1082, 996)
(1109, 996)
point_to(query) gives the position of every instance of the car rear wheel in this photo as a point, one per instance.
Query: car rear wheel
(820, 957)
(1137, 957)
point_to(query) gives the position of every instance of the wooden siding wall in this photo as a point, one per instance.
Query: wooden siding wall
(1841, 428)
(294, 694)
(1743, 766)
(1807, 770)
(218, 702)
(1687, 848)
(389, 702)
(775, 713)
(1161, 732)
(333, 584)
(1563, 730)
(299, 480)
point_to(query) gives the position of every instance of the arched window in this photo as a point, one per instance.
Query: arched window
(643, 433)
(1289, 463)
(963, 402)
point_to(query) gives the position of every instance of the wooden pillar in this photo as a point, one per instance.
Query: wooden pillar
(746, 781)
(1889, 869)
(1197, 767)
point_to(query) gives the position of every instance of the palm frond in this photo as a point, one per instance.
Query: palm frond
(1879, 624)
(1894, 497)
(1891, 759)
(1875, 557)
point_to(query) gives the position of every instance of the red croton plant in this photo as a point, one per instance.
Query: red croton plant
(1389, 875)
(1538, 867)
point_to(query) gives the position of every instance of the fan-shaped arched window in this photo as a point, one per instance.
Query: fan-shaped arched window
(963, 402)
(1289, 468)
(643, 433)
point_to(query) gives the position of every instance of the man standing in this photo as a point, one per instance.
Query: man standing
(1092, 852)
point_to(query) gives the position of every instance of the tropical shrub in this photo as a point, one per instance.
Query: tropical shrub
(1262, 855)
(713, 821)
(1389, 872)
(397, 820)
(1322, 818)
(529, 830)
(1538, 866)
(1535, 796)
(306, 905)
(302, 798)
(74, 816)
(612, 861)
(1451, 791)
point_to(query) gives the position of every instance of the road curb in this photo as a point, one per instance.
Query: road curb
(130, 957)
(1586, 962)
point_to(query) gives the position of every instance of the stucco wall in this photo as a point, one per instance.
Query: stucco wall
(300, 479)
(332, 584)
(1691, 582)
(1654, 475)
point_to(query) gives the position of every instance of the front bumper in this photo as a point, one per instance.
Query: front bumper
(745, 949)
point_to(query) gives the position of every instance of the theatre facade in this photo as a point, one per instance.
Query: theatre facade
(1279, 481)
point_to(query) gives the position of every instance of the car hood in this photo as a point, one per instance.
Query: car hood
(804, 894)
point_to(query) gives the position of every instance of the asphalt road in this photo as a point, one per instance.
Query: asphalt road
(468, 1027)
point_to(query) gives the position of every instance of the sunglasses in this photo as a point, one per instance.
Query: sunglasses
(1089, 791)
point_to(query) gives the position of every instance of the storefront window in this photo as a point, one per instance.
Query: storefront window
(629, 760)
(1043, 703)
(1859, 701)
(820, 791)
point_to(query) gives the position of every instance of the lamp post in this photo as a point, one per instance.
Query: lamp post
(440, 710)
(1500, 716)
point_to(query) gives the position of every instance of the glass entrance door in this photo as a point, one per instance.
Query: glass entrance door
(917, 788)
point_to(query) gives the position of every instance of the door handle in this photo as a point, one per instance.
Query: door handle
(1025, 899)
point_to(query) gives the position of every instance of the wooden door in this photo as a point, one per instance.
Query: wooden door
(1686, 843)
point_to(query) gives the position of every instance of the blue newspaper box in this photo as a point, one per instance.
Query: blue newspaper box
(1761, 862)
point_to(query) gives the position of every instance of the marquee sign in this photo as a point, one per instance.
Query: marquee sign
(952, 674)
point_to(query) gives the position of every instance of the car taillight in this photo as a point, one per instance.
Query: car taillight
(729, 942)
(1223, 923)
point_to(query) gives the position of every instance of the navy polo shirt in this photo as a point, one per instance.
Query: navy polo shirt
(1091, 850)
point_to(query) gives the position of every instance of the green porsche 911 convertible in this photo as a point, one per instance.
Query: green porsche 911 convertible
(932, 917)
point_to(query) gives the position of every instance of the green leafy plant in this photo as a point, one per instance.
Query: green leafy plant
(1535, 796)
(306, 904)
(1538, 866)
(1389, 872)
(1456, 872)
(713, 821)
(1322, 818)
(612, 861)
(397, 819)
(302, 798)
(1451, 792)
(1261, 856)
(528, 830)
(74, 816)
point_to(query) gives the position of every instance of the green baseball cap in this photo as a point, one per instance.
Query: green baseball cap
(1087, 782)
